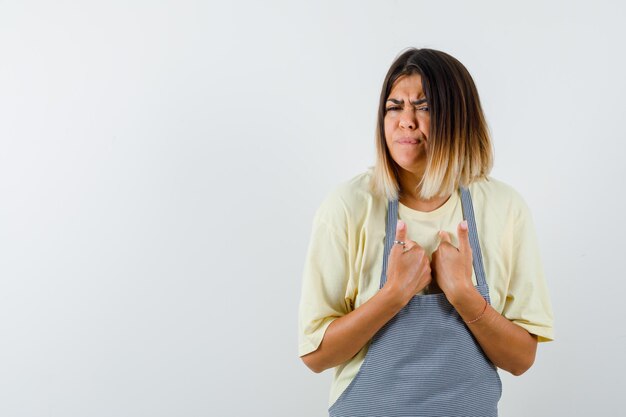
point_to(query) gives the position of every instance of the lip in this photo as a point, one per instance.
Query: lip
(408, 141)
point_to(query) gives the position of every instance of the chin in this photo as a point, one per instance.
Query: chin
(412, 168)
(411, 164)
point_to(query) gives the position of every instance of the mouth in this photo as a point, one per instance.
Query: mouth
(410, 141)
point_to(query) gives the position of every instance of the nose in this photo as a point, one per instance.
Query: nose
(408, 120)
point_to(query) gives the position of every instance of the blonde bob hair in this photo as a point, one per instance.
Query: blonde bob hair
(460, 149)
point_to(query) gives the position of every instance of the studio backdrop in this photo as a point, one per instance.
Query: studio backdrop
(161, 163)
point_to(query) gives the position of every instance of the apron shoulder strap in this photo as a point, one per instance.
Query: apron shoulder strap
(477, 256)
(390, 236)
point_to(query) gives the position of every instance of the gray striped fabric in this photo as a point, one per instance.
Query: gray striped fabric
(425, 362)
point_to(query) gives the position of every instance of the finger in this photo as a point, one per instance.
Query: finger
(444, 237)
(408, 247)
(464, 243)
(401, 231)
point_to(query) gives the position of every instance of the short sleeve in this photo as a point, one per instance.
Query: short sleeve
(527, 300)
(325, 277)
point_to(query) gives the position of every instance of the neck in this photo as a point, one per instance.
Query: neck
(423, 205)
(409, 195)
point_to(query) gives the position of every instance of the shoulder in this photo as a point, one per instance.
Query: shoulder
(349, 201)
(353, 192)
(498, 205)
(494, 195)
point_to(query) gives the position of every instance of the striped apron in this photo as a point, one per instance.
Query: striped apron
(425, 362)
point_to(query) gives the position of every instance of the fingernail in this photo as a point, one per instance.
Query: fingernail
(400, 225)
(464, 225)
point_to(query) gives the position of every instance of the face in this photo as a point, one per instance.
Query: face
(407, 123)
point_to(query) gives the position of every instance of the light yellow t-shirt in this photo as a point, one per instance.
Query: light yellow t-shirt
(344, 261)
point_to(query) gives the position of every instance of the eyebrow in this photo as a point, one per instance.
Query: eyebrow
(415, 103)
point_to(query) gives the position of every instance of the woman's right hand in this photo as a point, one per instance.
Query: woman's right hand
(408, 271)
(407, 274)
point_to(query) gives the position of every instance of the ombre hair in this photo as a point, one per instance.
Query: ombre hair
(459, 149)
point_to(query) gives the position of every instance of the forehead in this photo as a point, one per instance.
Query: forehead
(407, 85)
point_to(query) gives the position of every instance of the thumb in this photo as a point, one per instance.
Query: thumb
(463, 233)
(444, 237)
(401, 231)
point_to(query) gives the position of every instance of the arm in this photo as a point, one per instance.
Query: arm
(506, 344)
(408, 273)
(348, 334)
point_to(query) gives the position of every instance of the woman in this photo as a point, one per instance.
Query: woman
(423, 275)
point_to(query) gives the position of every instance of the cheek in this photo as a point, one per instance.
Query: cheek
(387, 129)
(425, 126)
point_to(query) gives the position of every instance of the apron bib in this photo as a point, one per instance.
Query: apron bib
(425, 362)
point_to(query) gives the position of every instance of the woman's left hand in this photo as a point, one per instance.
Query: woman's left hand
(452, 267)
(506, 344)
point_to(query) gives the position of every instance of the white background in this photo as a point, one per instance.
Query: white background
(161, 162)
